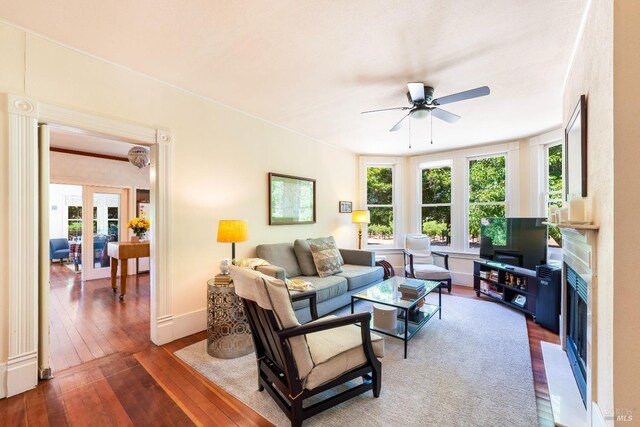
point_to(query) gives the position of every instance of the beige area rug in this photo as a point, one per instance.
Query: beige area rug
(471, 368)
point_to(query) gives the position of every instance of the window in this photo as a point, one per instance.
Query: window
(74, 222)
(436, 205)
(553, 187)
(487, 193)
(380, 205)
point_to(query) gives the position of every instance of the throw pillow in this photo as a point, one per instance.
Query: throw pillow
(326, 257)
(305, 259)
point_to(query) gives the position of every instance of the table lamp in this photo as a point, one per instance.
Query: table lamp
(232, 231)
(360, 217)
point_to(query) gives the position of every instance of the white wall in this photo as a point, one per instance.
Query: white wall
(221, 158)
(591, 73)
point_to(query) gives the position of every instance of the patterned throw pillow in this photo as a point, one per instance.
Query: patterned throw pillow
(326, 257)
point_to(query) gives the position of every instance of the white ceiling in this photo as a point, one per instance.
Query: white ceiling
(79, 141)
(313, 65)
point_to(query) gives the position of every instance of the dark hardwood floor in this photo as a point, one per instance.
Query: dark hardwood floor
(88, 322)
(142, 384)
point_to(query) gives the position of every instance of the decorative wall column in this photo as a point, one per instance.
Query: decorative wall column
(22, 363)
(161, 310)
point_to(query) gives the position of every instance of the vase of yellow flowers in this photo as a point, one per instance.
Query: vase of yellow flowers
(139, 226)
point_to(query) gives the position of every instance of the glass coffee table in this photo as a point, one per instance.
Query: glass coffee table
(411, 317)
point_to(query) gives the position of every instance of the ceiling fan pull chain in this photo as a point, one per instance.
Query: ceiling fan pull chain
(431, 126)
(409, 134)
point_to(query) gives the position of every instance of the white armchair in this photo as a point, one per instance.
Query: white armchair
(420, 262)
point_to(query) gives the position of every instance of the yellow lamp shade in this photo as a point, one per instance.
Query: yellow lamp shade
(360, 217)
(232, 230)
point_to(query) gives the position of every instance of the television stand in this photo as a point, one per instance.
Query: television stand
(513, 286)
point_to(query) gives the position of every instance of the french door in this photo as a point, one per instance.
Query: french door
(104, 218)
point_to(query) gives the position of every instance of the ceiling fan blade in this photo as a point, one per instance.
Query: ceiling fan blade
(385, 109)
(461, 96)
(445, 115)
(417, 92)
(399, 124)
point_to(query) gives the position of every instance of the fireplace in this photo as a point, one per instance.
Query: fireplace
(577, 334)
(576, 328)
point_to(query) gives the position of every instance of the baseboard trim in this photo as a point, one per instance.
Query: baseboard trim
(163, 332)
(22, 373)
(465, 279)
(189, 323)
(3, 380)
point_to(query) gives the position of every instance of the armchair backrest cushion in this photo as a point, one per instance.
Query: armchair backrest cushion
(272, 294)
(57, 244)
(282, 255)
(419, 245)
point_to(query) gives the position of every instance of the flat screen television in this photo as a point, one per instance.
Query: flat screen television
(521, 242)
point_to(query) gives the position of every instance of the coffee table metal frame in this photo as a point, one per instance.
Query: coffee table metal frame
(386, 293)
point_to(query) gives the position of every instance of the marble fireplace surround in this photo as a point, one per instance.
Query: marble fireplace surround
(579, 253)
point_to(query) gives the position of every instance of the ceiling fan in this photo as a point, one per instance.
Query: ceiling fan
(422, 103)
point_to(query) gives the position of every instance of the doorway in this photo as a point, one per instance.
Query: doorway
(28, 353)
(90, 212)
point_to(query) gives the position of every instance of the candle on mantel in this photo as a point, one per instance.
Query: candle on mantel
(576, 209)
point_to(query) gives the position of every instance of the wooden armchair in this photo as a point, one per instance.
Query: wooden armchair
(296, 362)
(420, 262)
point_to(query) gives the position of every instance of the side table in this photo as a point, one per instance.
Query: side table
(228, 332)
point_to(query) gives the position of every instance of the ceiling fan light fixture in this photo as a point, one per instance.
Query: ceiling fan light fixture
(420, 113)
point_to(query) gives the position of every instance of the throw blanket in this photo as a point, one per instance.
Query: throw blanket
(299, 285)
(251, 263)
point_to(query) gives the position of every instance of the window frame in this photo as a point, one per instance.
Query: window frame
(436, 165)
(468, 204)
(396, 165)
(546, 194)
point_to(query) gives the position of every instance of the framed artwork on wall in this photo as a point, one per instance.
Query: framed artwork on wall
(345, 207)
(575, 151)
(292, 200)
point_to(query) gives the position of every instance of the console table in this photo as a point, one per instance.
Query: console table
(124, 251)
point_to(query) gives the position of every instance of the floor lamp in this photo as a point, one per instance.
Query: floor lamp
(232, 231)
(360, 217)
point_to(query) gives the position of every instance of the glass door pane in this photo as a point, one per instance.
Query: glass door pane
(107, 207)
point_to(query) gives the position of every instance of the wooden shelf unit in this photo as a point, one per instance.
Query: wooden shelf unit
(508, 292)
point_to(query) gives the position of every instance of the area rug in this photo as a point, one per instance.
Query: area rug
(471, 368)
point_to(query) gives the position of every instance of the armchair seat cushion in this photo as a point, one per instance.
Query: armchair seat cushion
(429, 272)
(337, 351)
(60, 254)
(326, 288)
(359, 275)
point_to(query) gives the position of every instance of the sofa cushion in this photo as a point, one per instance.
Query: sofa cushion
(336, 351)
(326, 288)
(429, 272)
(305, 258)
(326, 257)
(282, 255)
(358, 275)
